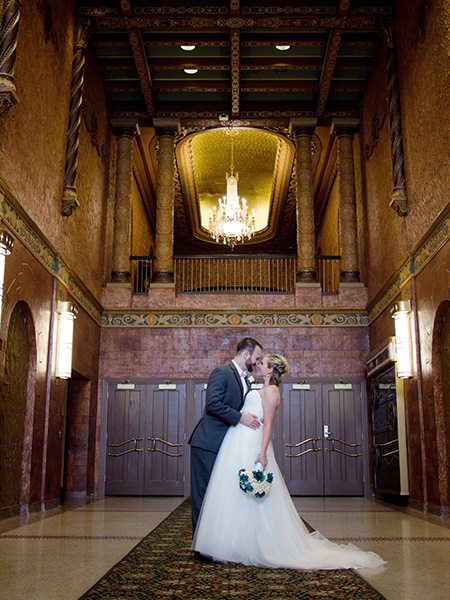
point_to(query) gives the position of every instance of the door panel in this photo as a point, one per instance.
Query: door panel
(125, 441)
(165, 418)
(302, 425)
(343, 464)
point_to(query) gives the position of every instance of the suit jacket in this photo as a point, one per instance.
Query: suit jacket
(224, 399)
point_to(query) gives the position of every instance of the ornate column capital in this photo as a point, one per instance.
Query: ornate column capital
(344, 127)
(304, 126)
(167, 126)
(125, 127)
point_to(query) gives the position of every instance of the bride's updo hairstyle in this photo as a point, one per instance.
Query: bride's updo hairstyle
(279, 365)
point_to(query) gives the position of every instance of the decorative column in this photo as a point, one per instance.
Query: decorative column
(399, 199)
(125, 130)
(166, 129)
(70, 197)
(344, 130)
(8, 45)
(306, 244)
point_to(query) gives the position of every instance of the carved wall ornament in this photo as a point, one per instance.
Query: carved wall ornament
(50, 33)
(69, 200)
(422, 20)
(377, 126)
(91, 124)
(8, 44)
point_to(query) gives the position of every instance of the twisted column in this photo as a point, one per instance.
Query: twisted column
(306, 243)
(347, 201)
(122, 210)
(165, 197)
(8, 46)
(70, 197)
(399, 199)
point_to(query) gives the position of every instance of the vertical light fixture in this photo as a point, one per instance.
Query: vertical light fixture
(6, 246)
(401, 313)
(66, 314)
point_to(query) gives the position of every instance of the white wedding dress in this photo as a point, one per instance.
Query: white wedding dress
(235, 527)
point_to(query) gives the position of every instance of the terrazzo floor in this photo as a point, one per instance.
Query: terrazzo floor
(60, 554)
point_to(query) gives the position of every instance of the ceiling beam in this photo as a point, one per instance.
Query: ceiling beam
(200, 21)
(329, 63)
(140, 60)
(235, 57)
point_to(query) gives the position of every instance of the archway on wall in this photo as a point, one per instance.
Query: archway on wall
(441, 379)
(17, 408)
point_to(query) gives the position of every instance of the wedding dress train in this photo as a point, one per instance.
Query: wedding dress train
(267, 532)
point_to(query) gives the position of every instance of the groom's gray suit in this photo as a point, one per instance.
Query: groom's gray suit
(224, 400)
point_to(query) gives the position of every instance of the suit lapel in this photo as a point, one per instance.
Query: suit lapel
(239, 380)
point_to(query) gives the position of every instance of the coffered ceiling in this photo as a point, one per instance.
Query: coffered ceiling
(235, 71)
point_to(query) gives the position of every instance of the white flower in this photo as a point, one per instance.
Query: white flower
(251, 379)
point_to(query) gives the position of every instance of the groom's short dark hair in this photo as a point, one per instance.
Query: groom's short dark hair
(247, 343)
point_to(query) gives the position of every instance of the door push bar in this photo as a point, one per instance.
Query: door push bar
(135, 440)
(327, 436)
(313, 449)
(153, 447)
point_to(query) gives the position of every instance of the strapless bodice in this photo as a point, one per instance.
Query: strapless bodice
(253, 404)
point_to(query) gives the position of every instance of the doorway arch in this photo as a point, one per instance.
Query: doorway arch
(17, 397)
(441, 387)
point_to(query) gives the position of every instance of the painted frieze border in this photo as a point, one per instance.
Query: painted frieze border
(20, 224)
(425, 250)
(234, 318)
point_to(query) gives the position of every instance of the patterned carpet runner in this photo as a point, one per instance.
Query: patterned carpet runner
(162, 566)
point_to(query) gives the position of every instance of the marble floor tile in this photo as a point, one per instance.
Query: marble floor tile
(59, 554)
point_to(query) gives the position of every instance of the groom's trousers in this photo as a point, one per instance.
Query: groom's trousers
(202, 463)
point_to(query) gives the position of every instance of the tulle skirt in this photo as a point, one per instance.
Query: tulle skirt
(267, 532)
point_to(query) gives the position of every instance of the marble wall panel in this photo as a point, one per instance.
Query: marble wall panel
(194, 352)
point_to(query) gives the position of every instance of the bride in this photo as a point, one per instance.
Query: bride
(268, 532)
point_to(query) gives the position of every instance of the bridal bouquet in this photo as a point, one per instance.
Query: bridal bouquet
(255, 482)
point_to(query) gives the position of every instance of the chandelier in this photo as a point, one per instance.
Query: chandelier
(230, 222)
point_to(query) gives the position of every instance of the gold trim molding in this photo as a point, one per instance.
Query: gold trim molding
(14, 216)
(428, 246)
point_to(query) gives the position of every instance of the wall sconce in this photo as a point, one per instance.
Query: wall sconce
(66, 314)
(401, 313)
(6, 246)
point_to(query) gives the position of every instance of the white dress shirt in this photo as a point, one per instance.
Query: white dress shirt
(242, 375)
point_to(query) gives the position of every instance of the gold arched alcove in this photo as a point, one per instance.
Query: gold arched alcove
(263, 161)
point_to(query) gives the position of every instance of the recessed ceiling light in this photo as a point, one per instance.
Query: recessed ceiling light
(187, 48)
(190, 71)
(282, 48)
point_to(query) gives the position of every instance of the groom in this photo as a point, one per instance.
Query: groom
(227, 386)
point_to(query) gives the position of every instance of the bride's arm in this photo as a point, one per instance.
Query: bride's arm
(270, 401)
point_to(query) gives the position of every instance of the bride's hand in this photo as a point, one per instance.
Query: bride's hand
(262, 458)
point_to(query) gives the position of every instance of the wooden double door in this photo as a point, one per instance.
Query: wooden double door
(145, 446)
(321, 448)
(317, 437)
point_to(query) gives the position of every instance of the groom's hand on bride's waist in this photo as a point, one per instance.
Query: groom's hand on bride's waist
(250, 420)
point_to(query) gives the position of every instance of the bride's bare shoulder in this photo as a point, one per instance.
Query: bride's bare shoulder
(271, 393)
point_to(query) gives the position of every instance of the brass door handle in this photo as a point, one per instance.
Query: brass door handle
(135, 440)
(314, 448)
(153, 447)
(333, 448)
